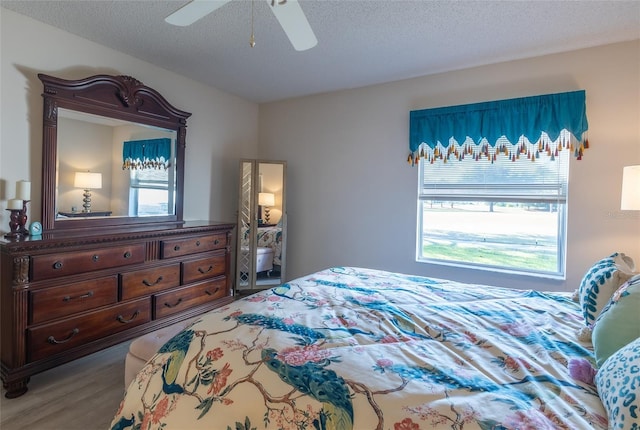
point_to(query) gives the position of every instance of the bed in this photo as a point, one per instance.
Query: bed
(354, 348)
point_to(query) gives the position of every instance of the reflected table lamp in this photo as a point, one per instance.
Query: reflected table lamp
(87, 181)
(266, 200)
(630, 199)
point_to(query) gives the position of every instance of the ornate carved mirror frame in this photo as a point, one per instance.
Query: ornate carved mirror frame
(118, 97)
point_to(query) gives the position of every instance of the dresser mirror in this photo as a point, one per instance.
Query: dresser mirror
(113, 154)
(262, 225)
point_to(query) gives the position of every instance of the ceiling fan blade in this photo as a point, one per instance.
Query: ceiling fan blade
(295, 24)
(193, 11)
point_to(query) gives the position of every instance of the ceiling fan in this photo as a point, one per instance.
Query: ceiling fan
(288, 13)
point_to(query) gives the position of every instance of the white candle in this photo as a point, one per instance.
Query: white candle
(14, 204)
(23, 190)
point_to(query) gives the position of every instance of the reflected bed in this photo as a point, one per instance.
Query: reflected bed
(269, 238)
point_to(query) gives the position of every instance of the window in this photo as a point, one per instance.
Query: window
(493, 181)
(149, 192)
(501, 215)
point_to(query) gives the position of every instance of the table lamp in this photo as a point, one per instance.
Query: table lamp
(87, 181)
(266, 200)
(630, 199)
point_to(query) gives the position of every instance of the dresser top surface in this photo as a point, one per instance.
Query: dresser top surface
(104, 235)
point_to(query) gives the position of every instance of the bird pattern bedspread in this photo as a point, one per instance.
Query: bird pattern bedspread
(349, 348)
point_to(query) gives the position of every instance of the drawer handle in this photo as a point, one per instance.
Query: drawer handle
(57, 265)
(127, 254)
(197, 243)
(53, 341)
(216, 242)
(151, 284)
(210, 293)
(174, 305)
(84, 296)
(205, 271)
(176, 248)
(121, 319)
(95, 257)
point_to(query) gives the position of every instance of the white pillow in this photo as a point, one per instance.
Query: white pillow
(601, 281)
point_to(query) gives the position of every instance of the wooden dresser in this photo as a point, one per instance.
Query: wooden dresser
(66, 295)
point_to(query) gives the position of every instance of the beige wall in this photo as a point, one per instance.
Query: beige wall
(222, 129)
(87, 147)
(352, 197)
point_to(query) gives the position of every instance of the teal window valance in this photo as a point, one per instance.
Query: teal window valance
(512, 127)
(146, 154)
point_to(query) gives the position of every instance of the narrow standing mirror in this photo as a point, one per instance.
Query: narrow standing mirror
(262, 225)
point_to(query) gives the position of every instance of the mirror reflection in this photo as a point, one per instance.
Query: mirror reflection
(262, 224)
(112, 168)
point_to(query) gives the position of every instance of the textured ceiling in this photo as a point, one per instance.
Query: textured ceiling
(360, 42)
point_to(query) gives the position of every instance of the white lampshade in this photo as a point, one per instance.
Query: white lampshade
(266, 199)
(88, 180)
(630, 200)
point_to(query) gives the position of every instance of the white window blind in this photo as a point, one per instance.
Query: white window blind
(542, 180)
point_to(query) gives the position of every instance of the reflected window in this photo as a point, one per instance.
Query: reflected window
(149, 193)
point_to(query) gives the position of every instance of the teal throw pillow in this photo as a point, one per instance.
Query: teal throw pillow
(601, 281)
(619, 321)
(618, 383)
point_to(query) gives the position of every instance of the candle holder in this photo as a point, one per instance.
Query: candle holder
(14, 224)
(22, 219)
(18, 222)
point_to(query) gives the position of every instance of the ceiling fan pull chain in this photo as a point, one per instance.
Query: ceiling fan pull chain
(252, 39)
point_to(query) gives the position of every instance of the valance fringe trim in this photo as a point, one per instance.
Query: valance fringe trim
(484, 152)
(513, 127)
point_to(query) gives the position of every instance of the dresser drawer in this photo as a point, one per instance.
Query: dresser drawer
(71, 263)
(184, 298)
(203, 268)
(146, 282)
(53, 338)
(192, 245)
(56, 302)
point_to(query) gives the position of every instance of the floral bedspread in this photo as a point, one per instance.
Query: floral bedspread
(350, 348)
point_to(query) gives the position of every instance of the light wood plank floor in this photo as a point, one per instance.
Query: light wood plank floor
(81, 395)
